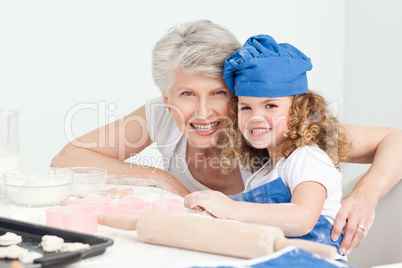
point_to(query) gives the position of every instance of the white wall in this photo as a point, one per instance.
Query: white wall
(373, 93)
(55, 55)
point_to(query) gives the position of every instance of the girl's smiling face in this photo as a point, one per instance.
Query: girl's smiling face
(199, 104)
(262, 121)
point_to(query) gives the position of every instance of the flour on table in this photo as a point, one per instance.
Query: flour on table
(51, 243)
(195, 212)
(10, 239)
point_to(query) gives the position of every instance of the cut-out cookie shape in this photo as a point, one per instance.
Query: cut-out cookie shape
(10, 239)
(51, 243)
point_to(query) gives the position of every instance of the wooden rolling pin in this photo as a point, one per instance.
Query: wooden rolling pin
(224, 237)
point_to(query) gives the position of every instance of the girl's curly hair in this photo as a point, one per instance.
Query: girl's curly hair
(310, 122)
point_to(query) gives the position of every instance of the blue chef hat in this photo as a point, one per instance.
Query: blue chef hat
(263, 68)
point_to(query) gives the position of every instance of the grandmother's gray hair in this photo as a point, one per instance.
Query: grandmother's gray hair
(196, 47)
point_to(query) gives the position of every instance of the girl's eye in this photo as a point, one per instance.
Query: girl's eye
(271, 106)
(245, 108)
(220, 92)
(187, 93)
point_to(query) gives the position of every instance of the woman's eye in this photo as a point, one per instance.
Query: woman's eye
(187, 93)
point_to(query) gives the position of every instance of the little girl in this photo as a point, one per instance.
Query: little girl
(299, 188)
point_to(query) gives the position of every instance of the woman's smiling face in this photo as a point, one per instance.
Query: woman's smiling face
(199, 105)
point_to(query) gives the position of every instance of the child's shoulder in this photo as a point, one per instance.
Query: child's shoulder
(311, 155)
(309, 163)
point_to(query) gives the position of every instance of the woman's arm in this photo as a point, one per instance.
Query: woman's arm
(108, 147)
(296, 218)
(383, 148)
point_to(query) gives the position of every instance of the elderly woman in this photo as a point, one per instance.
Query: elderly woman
(186, 120)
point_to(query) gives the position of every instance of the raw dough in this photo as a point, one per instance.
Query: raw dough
(114, 193)
(68, 247)
(51, 243)
(17, 252)
(10, 239)
(12, 252)
(30, 256)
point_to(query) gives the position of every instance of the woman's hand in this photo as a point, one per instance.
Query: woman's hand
(158, 178)
(169, 183)
(357, 209)
(382, 147)
(214, 202)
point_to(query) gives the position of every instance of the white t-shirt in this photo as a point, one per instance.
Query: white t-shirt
(172, 144)
(308, 163)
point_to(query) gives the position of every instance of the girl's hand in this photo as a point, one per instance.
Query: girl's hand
(356, 209)
(214, 202)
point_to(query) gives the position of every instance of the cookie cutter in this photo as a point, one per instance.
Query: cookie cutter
(81, 215)
(81, 218)
(127, 206)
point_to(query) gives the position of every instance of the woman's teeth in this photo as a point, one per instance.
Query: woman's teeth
(206, 127)
(259, 131)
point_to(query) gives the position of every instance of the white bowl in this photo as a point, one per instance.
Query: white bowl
(87, 180)
(37, 187)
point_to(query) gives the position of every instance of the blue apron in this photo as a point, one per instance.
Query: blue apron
(276, 192)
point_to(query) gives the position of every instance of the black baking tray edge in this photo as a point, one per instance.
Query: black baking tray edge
(32, 236)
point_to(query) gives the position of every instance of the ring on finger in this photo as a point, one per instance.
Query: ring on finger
(361, 226)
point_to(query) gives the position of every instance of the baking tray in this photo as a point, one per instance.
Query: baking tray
(32, 237)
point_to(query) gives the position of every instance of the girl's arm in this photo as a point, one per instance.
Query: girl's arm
(383, 148)
(108, 147)
(296, 218)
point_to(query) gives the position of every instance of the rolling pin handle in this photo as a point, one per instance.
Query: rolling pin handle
(118, 222)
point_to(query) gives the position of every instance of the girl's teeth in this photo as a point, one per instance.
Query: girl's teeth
(259, 131)
(206, 127)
